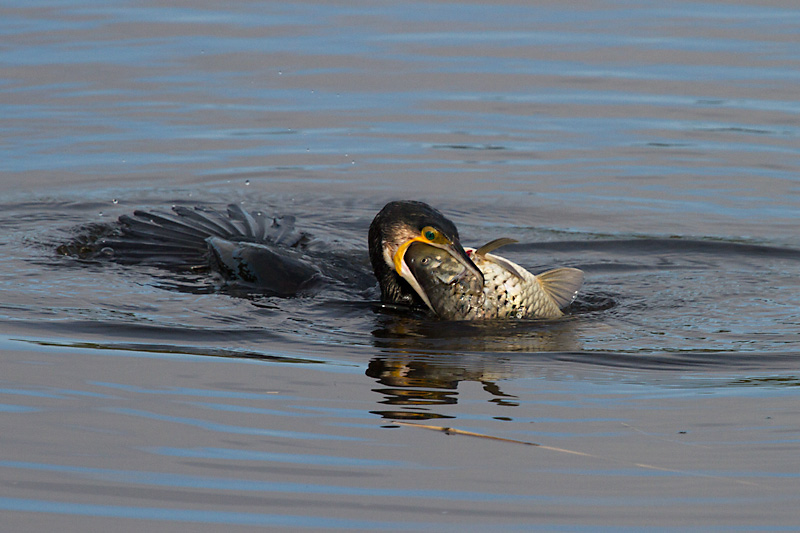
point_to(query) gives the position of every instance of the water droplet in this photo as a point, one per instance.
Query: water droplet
(247, 182)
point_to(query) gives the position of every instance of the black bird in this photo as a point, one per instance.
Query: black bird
(393, 230)
(268, 255)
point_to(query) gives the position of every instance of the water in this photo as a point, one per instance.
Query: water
(653, 146)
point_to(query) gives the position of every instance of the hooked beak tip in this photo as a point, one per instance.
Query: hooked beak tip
(457, 251)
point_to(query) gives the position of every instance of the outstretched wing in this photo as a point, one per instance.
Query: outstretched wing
(248, 249)
(179, 240)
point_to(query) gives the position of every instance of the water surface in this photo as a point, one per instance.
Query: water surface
(654, 147)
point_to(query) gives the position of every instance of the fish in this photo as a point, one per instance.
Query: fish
(507, 290)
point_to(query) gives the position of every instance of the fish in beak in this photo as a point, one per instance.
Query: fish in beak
(452, 247)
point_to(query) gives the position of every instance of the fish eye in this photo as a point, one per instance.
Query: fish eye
(429, 233)
(425, 260)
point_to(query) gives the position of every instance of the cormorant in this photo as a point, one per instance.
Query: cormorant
(414, 250)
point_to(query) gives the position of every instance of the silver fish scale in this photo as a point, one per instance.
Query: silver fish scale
(509, 296)
(505, 289)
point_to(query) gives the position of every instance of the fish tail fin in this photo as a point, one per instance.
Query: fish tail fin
(561, 284)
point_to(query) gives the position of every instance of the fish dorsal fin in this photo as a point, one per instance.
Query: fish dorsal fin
(494, 245)
(561, 284)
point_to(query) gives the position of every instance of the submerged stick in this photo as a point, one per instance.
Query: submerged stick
(455, 431)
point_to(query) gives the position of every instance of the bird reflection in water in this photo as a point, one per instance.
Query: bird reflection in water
(422, 362)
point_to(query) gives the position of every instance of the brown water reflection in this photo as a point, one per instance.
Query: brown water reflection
(532, 336)
(426, 360)
(419, 385)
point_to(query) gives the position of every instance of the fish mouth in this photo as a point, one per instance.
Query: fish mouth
(452, 248)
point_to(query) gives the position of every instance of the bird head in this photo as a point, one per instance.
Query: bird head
(397, 226)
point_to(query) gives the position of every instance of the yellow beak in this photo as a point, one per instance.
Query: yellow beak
(452, 248)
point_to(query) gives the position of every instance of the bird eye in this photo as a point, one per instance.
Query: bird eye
(429, 233)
